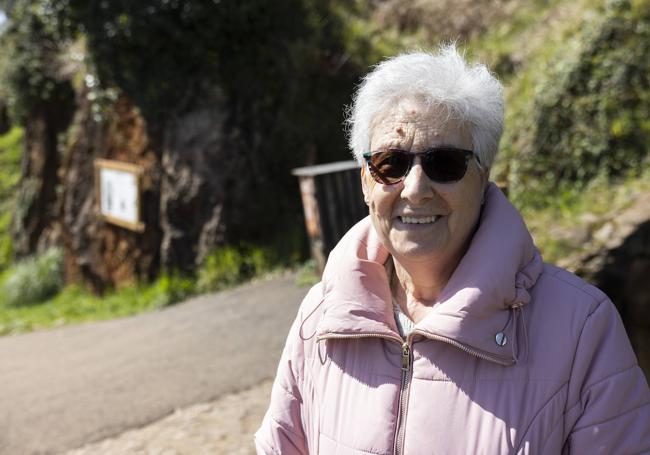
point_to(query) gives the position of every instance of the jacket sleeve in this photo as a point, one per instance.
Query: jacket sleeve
(282, 430)
(609, 402)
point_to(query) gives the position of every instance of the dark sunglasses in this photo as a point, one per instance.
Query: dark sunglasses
(440, 164)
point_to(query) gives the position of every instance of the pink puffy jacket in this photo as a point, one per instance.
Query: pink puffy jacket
(516, 357)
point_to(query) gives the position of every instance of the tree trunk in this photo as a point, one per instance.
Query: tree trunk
(198, 163)
(38, 206)
(101, 254)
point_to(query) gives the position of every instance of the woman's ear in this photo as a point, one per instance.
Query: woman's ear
(485, 180)
(364, 185)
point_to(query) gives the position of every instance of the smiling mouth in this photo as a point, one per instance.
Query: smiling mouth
(418, 219)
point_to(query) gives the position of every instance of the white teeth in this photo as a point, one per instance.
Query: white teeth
(419, 220)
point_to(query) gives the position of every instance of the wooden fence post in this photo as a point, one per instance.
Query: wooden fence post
(332, 202)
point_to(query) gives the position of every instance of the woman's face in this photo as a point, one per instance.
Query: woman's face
(449, 210)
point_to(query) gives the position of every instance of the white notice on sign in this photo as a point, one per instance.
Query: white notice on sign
(119, 194)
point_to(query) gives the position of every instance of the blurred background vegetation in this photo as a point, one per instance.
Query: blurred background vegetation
(575, 149)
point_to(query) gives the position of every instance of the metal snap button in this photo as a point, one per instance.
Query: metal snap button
(501, 339)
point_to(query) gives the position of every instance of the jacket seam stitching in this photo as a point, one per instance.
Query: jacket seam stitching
(540, 411)
(348, 446)
(606, 378)
(269, 445)
(579, 288)
(555, 426)
(575, 352)
(572, 406)
(289, 392)
(477, 380)
(611, 418)
(286, 428)
(598, 382)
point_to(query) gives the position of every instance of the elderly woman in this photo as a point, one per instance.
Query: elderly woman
(437, 328)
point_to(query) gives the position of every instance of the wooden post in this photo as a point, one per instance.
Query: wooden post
(332, 202)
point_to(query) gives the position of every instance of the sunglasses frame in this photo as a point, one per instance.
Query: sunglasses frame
(376, 175)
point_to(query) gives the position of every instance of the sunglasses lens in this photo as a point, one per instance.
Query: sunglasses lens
(389, 166)
(445, 165)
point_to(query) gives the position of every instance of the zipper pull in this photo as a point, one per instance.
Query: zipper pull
(406, 357)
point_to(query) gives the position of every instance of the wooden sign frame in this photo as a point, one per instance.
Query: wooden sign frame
(134, 169)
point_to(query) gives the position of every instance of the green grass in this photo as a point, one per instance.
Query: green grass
(74, 304)
(308, 274)
(530, 27)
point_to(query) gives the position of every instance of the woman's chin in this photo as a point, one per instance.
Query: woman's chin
(417, 250)
(419, 240)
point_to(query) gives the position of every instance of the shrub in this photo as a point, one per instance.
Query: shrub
(228, 266)
(590, 111)
(169, 289)
(33, 280)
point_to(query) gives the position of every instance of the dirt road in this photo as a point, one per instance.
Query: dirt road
(222, 427)
(62, 389)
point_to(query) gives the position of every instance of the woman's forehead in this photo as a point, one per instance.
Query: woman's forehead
(415, 112)
(415, 121)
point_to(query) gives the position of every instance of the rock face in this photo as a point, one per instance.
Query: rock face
(624, 275)
(617, 260)
(99, 253)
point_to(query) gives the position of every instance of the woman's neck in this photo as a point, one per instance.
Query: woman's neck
(417, 286)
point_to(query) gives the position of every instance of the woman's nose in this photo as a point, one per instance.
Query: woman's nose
(417, 186)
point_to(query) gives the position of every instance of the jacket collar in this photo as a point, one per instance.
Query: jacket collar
(479, 301)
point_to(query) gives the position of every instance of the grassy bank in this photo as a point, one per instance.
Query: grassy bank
(32, 296)
(561, 228)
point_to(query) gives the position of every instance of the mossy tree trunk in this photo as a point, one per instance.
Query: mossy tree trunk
(38, 205)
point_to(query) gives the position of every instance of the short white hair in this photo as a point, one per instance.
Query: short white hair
(444, 78)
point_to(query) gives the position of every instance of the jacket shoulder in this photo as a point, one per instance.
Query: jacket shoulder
(576, 292)
(560, 308)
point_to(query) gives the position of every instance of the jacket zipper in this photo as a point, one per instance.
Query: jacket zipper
(407, 374)
(342, 336)
(476, 353)
(405, 386)
(398, 444)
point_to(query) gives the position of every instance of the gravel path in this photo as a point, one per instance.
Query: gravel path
(223, 426)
